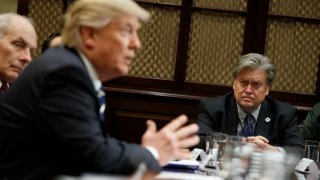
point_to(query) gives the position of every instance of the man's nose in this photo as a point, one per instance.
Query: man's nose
(248, 88)
(135, 41)
(26, 56)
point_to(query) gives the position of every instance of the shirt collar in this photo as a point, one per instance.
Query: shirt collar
(92, 72)
(243, 114)
(1, 84)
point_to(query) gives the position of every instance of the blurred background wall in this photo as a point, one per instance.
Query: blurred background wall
(8, 6)
(190, 48)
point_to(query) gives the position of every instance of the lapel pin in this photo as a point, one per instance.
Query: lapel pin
(267, 119)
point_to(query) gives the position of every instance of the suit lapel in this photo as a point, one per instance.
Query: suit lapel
(263, 124)
(232, 118)
(93, 91)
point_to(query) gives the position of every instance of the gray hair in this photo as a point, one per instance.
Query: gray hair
(96, 14)
(256, 61)
(6, 19)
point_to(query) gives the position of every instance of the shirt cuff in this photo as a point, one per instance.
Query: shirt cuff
(153, 151)
(281, 149)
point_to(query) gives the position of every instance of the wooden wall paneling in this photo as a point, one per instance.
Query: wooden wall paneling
(255, 30)
(318, 80)
(130, 126)
(141, 83)
(293, 37)
(23, 7)
(65, 5)
(261, 28)
(183, 39)
(127, 111)
(250, 27)
(132, 100)
(254, 41)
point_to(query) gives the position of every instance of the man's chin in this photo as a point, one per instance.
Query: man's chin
(124, 71)
(247, 106)
(13, 76)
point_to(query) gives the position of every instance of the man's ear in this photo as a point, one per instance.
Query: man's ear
(87, 36)
(234, 83)
(267, 90)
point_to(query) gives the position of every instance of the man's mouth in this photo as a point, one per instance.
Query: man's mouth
(128, 60)
(17, 69)
(247, 98)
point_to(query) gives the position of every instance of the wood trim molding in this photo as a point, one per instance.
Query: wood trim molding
(318, 80)
(301, 101)
(23, 7)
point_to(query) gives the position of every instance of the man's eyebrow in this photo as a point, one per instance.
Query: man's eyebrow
(22, 40)
(130, 25)
(259, 81)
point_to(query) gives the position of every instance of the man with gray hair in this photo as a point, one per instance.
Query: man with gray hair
(248, 111)
(51, 121)
(17, 39)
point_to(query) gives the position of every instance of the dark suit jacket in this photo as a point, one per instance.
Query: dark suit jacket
(49, 124)
(220, 114)
(1, 93)
(310, 126)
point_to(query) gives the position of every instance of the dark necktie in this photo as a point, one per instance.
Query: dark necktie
(4, 87)
(102, 103)
(248, 125)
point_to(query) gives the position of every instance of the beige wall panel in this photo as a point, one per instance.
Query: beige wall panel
(8, 6)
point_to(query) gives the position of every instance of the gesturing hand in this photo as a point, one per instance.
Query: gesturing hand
(170, 139)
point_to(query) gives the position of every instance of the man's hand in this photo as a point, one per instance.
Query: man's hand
(171, 138)
(261, 143)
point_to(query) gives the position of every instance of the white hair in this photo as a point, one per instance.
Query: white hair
(6, 18)
(96, 14)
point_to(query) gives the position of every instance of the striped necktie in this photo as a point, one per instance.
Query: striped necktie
(102, 103)
(249, 121)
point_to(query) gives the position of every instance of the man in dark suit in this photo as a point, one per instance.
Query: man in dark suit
(272, 125)
(50, 119)
(17, 39)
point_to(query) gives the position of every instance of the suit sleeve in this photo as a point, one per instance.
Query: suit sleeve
(292, 139)
(310, 127)
(69, 123)
(205, 124)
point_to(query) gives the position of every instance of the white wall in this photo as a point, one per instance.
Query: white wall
(8, 6)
